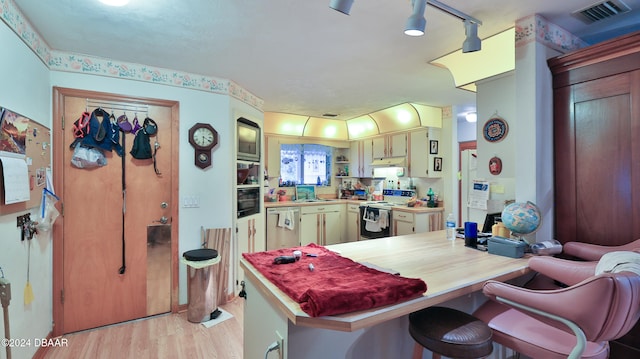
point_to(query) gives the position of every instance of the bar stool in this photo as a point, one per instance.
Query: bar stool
(449, 332)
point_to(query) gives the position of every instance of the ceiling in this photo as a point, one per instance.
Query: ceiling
(300, 56)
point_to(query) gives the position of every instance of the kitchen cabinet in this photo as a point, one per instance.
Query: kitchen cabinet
(250, 237)
(390, 146)
(321, 224)
(352, 227)
(272, 146)
(361, 158)
(409, 223)
(420, 157)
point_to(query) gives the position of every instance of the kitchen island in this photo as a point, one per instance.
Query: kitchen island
(450, 270)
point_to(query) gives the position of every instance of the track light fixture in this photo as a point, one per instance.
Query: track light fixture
(472, 42)
(416, 22)
(343, 6)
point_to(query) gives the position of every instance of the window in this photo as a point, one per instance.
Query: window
(305, 164)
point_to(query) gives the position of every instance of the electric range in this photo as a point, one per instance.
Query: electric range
(375, 216)
(391, 198)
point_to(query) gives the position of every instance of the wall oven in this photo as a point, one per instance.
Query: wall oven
(248, 201)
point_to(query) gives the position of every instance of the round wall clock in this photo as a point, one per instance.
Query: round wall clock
(495, 130)
(203, 137)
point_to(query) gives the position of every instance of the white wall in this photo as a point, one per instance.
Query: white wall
(496, 96)
(534, 168)
(25, 89)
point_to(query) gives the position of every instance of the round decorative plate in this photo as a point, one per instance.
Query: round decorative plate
(495, 129)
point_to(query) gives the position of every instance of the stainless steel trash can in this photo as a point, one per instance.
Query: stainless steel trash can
(201, 283)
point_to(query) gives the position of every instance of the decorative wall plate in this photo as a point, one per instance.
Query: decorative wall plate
(495, 129)
(495, 165)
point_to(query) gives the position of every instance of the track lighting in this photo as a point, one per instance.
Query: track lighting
(343, 6)
(416, 23)
(472, 42)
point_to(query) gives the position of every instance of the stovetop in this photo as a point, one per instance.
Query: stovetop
(392, 197)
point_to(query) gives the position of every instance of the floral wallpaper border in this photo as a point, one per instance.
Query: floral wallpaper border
(537, 28)
(61, 61)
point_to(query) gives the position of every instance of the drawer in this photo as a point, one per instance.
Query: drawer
(402, 216)
(322, 208)
(353, 207)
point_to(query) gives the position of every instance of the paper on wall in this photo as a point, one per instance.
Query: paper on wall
(15, 180)
(479, 194)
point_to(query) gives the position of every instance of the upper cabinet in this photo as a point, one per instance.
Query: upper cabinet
(361, 158)
(272, 146)
(390, 146)
(423, 152)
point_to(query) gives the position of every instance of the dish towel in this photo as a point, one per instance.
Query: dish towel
(383, 218)
(285, 219)
(372, 217)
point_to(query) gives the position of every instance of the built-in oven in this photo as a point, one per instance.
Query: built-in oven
(248, 201)
(375, 222)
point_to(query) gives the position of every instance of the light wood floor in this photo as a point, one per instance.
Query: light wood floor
(164, 336)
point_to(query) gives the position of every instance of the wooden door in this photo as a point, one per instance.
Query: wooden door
(596, 161)
(98, 215)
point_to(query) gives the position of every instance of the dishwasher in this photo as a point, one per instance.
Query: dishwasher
(283, 227)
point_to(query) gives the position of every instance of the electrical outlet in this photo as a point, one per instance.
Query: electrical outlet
(281, 347)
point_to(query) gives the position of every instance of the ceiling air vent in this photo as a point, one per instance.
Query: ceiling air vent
(602, 10)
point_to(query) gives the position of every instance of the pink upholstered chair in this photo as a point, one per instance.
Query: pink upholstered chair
(593, 252)
(574, 322)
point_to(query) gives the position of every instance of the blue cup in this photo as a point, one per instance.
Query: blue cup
(471, 234)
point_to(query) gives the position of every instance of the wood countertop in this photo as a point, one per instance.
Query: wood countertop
(448, 267)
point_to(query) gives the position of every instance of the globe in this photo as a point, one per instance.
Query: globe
(521, 218)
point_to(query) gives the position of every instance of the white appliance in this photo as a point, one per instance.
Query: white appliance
(377, 224)
(283, 227)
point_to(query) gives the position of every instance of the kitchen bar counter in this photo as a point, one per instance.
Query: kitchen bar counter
(448, 267)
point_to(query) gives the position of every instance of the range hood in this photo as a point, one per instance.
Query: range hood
(389, 162)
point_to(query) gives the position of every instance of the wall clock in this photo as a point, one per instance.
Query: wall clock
(495, 130)
(203, 137)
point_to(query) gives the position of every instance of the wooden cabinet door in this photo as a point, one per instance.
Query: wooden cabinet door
(309, 228)
(398, 145)
(332, 232)
(597, 171)
(379, 147)
(353, 223)
(419, 154)
(403, 223)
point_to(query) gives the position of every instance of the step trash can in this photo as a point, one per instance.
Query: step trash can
(201, 284)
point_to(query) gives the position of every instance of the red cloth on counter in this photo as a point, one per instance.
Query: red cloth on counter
(336, 285)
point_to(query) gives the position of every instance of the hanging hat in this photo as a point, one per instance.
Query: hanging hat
(150, 126)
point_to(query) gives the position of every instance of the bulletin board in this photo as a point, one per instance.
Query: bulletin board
(37, 153)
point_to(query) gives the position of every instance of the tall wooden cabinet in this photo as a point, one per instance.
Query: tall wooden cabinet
(597, 142)
(597, 150)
